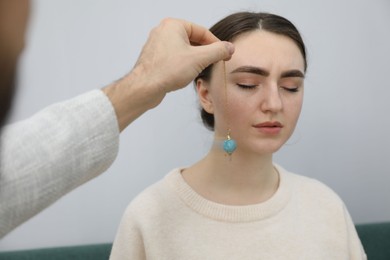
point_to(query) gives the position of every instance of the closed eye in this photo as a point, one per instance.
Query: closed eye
(289, 89)
(245, 86)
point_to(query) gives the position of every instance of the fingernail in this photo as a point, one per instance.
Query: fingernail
(230, 47)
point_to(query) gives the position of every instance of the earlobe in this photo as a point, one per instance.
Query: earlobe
(202, 89)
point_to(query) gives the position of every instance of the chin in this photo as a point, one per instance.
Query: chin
(263, 149)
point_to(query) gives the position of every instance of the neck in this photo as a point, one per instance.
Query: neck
(239, 179)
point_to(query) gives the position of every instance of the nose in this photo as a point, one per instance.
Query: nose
(271, 101)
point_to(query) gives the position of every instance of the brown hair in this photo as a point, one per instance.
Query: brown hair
(236, 24)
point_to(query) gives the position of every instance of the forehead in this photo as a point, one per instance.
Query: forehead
(267, 50)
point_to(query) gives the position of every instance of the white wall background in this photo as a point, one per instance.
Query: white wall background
(342, 138)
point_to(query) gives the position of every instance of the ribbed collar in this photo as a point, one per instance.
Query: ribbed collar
(230, 213)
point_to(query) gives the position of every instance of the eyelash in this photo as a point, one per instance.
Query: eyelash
(292, 90)
(246, 86)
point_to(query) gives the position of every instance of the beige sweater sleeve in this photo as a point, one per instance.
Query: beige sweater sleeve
(53, 152)
(128, 242)
(356, 250)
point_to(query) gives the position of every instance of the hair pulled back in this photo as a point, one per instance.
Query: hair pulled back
(236, 24)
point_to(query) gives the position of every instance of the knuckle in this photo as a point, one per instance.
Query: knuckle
(167, 20)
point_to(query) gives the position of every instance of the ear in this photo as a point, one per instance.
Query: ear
(202, 88)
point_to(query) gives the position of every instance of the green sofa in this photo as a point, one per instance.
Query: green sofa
(375, 238)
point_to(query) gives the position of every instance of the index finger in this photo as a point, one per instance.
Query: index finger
(199, 34)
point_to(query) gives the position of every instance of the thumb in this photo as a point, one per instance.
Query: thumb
(214, 52)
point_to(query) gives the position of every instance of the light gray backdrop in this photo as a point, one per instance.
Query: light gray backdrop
(342, 138)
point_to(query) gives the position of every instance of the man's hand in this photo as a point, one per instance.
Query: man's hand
(177, 51)
(174, 54)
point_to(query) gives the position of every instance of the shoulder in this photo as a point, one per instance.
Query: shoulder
(321, 213)
(315, 202)
(310, 189)
(156, 200)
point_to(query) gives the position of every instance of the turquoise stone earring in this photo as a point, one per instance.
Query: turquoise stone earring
(229, 145)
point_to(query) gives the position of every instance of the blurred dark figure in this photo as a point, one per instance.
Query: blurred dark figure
(13, 23)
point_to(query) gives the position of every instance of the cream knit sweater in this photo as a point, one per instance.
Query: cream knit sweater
(303, 220)
(53, 152)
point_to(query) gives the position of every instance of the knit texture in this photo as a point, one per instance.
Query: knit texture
(56, 150)
(304, 219)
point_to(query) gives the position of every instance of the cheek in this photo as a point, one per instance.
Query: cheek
(292, 108)
(230, 113)
(243, 110)
(239, 109)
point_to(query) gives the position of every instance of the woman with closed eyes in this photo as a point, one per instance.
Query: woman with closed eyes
(236, 202)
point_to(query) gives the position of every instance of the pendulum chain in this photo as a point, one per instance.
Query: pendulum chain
(229, 145)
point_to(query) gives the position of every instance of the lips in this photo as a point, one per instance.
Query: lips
(269, 127)
(269, 124)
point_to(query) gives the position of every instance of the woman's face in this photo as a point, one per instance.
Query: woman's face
(264, 83)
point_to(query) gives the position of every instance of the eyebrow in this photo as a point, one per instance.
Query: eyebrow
(265, 73)
(293, 74)
(251, 69)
